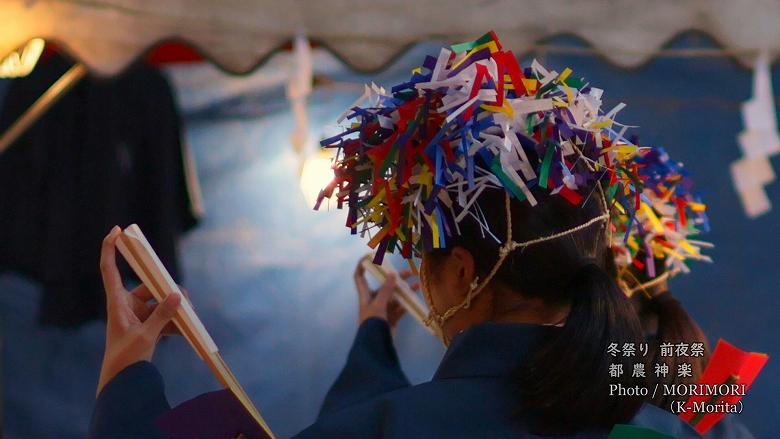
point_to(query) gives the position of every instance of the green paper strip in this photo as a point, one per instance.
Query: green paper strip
(574, 82)
(638, 186)
(391, 244)
(547, 87)
(462, 47)
(611, 192)
(545, 171)
(405, 95)
(505, 180)
(529, 124)
(621, 431)
(390, 158)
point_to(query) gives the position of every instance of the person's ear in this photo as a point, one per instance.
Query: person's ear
(464, 266)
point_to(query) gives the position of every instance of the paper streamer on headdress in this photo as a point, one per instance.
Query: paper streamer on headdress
(412, 163)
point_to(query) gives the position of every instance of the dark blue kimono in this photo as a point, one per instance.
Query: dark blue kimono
(471, 395)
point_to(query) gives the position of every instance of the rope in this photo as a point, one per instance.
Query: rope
(649, 284)
(476, 286)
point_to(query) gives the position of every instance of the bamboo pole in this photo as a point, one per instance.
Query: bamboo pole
(42, 104)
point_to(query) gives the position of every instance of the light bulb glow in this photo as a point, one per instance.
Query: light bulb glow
(21, 62)
(317, 172)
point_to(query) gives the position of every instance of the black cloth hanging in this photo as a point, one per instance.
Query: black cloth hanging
(109, 152)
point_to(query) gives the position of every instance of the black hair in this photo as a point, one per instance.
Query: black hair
(564, 386)
(672, 325)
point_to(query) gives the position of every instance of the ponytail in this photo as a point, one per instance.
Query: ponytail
(565, 386)
(675, 326)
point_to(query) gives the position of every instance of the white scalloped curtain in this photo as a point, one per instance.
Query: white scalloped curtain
(238, 34)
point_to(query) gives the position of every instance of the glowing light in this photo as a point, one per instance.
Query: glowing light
(21, 62)
(316, 173)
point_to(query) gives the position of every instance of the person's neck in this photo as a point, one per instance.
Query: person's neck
(506, 307)
(512, 307)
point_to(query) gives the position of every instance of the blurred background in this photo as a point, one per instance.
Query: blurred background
(199, 121)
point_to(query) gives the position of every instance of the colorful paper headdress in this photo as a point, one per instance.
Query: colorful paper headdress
(413, 162)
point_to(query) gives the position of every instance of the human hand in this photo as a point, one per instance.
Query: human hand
(133, 324)
(408, 274)
(380, 303)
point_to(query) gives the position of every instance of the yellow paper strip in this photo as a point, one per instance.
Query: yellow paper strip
(602, 124)
(688, 247)
(697, 207)
(434, 229)
(673, 253)
(530, 85)
(564, 75)
(475, 49)
(659, 228)
(379, 236)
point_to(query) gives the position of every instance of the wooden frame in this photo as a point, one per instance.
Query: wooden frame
(144, 261)
(403, 292)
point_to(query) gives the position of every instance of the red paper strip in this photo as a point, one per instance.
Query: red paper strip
(515, 73)
(571, 196)
(728, 363)
(681, 211)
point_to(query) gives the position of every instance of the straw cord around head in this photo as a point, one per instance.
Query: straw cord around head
(476, 286)
(515, 245)
(643, 287)
(601, 192)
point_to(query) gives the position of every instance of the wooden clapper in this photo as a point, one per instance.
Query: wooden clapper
(403, 292)
(144, 261)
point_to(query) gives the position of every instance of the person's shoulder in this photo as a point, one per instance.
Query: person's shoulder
(456, 408)
(730, 427)
(662, 421)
